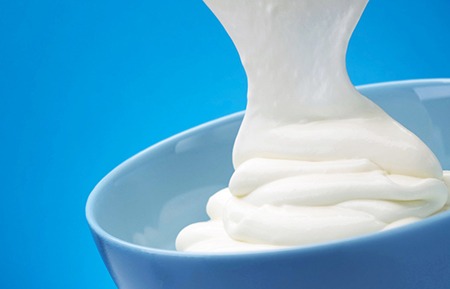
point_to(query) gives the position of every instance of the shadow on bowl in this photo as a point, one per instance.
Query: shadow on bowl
(137, 210)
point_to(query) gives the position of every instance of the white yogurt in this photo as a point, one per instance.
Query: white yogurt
(314, 160)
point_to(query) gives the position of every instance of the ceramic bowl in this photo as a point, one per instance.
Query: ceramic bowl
(136, 211)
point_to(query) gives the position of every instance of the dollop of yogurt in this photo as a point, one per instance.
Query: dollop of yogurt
(314, 160)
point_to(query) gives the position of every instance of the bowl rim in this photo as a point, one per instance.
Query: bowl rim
(96, 229)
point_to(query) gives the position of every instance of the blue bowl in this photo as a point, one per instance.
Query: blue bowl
(136, 211)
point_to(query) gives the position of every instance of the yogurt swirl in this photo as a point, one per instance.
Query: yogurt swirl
(314, 160)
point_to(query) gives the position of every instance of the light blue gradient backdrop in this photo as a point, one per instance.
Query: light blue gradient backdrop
(86, 84)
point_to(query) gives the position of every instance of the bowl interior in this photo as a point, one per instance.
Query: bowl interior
(149, 198)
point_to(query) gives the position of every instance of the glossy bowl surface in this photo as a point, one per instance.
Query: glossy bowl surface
(136, 211)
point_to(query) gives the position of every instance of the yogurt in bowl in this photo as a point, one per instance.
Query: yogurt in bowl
(137, 210)
(322, 173)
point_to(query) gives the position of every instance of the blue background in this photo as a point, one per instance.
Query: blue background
(86, 84)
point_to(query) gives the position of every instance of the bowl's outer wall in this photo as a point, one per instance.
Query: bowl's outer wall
(409, 260)
(412, 257)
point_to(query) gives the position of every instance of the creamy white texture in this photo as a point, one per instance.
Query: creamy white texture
(315, 161)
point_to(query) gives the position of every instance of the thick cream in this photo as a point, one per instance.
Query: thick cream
(314, 160)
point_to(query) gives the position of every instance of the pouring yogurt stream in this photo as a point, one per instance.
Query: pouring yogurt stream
(314, 160)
